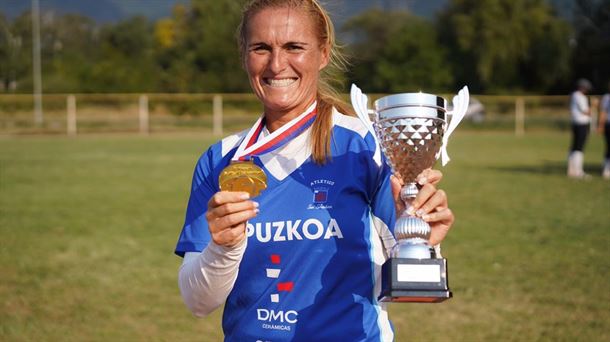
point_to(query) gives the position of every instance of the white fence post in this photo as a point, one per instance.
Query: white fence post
(143, 114)
(217, 115)
(519, 116)
(71, 119)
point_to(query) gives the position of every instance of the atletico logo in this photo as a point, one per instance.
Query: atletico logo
(322, 189)
(320, 195)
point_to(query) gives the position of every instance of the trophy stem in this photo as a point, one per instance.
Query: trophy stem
(408, 193)
(412, 233)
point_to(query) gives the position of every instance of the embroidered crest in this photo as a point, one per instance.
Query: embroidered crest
(321, 189)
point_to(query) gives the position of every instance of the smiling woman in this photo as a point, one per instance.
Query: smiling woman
(293, 42)
(283, 58)
(302, 261)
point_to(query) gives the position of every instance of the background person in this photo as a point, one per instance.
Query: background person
(604, 128)
(581, 120)
(302, 261)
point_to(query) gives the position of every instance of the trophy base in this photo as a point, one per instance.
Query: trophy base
(407, 280)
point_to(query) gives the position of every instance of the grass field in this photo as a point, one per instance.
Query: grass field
(88, 226)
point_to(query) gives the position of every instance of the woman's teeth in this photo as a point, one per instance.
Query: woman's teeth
(283, 82)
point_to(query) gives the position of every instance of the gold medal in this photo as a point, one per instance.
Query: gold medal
(243, 176)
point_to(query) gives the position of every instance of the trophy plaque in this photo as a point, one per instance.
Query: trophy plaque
(412, 131)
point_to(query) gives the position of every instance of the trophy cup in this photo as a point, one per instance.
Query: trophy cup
(412, 131)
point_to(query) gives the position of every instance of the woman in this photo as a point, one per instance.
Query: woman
(581, 120)
(604, 128)
(302, 260)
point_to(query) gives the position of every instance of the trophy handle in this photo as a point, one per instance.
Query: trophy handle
(359, 102)
(460, 106)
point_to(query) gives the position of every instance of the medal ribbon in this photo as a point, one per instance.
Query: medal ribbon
(251, 147)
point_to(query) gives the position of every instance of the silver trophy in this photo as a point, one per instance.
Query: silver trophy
(412, 131)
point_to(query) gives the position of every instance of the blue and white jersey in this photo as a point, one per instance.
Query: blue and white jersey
(311, 269)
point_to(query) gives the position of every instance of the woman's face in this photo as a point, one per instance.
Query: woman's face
(283, 58)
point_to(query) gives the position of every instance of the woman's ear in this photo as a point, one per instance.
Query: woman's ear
(325, 56)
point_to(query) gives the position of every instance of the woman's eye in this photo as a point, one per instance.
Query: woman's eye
(260, 49)
(294, 47)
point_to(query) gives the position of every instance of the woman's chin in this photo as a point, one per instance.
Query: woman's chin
(280, 105)
(288, 102)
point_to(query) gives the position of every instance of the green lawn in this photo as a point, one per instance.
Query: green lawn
(88, 226)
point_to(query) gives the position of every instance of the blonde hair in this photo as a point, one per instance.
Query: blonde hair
(327, 97)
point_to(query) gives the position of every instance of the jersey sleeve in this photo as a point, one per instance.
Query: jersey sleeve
(382, 205)
(380, 190)
(195, 234)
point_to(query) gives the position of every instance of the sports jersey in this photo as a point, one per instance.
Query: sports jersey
(311, 268)
(579, 107)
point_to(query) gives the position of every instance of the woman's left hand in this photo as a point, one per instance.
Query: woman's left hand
(430, 204)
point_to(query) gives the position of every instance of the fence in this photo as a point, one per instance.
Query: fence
(220, 114)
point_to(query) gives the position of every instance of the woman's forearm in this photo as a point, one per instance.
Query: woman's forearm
(207, 278)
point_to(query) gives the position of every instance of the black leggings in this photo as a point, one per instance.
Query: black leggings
(607, 135)
(579, 136)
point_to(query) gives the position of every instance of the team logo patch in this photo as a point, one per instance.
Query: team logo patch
(322, 189)
(320, 195)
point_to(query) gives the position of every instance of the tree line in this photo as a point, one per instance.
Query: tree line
(500, 46)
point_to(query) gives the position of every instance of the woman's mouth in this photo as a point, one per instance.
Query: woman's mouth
(279, 82)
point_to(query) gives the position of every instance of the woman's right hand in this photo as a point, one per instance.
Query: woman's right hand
(227, 215)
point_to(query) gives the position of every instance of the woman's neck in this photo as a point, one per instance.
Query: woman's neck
(276, 119)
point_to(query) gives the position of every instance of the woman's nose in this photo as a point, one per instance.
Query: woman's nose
(278, 62)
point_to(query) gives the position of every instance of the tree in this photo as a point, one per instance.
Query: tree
(69, 47)
(198, 50)
(506, 44)
(396, 52)
(126, 59)
(592, 48)
(10, 46)
(16, 45)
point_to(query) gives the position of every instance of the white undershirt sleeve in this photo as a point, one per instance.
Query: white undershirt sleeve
(207, 278)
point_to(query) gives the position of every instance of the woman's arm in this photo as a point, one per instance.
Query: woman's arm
(604, 105)
(207, 278)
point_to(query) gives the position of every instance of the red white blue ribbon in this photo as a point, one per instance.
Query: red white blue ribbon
(253, 146)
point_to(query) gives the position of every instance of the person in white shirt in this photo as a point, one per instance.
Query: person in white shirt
(581, 120)
(604, 128)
